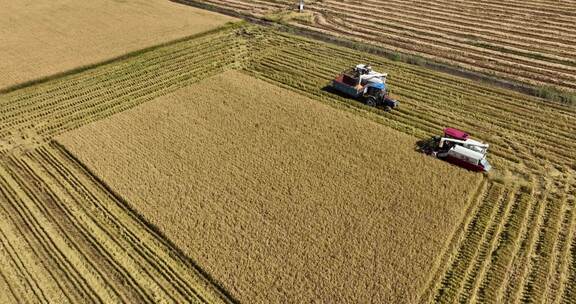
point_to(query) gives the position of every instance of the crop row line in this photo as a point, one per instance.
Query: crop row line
(66, 123)
(454, 278)
(412, 115)
(424, 126)
(111, 85)
(556, 278)
(541, 260)
(440, 34)
(480, 263)
(68, 113)
(16, 266)
(503, 253)
(546, 145)
(448, 52)
(472, 25)
(529, 231)
(78, 80)
(474, 203)
(569, 286)
(344, 57)
(47, 244)
(493, 108)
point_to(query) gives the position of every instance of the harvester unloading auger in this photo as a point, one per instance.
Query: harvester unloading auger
(364, 84)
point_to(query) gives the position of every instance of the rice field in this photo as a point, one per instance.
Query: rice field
(532, 42)
(41, 38)
(68, 235)
(283, 201)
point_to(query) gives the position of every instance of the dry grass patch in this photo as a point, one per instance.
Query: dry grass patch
(41, 38)
(279, 197)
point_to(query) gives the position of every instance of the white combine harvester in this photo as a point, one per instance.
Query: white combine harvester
(456, 147)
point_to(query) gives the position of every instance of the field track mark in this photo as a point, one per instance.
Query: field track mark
(478, 272)
(457, 238)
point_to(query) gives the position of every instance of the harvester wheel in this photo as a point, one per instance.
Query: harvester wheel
(387, 109)
(371, 101)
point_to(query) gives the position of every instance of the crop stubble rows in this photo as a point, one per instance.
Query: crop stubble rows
(495, 38)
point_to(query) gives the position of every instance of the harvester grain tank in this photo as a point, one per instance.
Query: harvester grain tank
(458, 148)
(364, 84)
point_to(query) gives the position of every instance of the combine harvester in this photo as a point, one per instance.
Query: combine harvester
(456, 147)
(364, 84)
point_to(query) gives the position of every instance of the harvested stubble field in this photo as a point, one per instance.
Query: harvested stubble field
(41, 38)
(516, 242)
(530, 41)
(279, 197)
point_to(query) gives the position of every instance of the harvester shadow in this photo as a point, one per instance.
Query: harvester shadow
(425, 145)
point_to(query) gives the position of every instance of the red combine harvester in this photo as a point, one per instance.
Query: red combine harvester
(456, 147)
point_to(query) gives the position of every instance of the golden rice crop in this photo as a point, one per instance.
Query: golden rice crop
(278, 197)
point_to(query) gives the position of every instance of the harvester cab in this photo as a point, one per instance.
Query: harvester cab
(364, 84)
(456, 147)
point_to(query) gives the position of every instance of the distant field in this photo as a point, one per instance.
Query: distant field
(530, 41)
(41, 38)
(279, 197)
